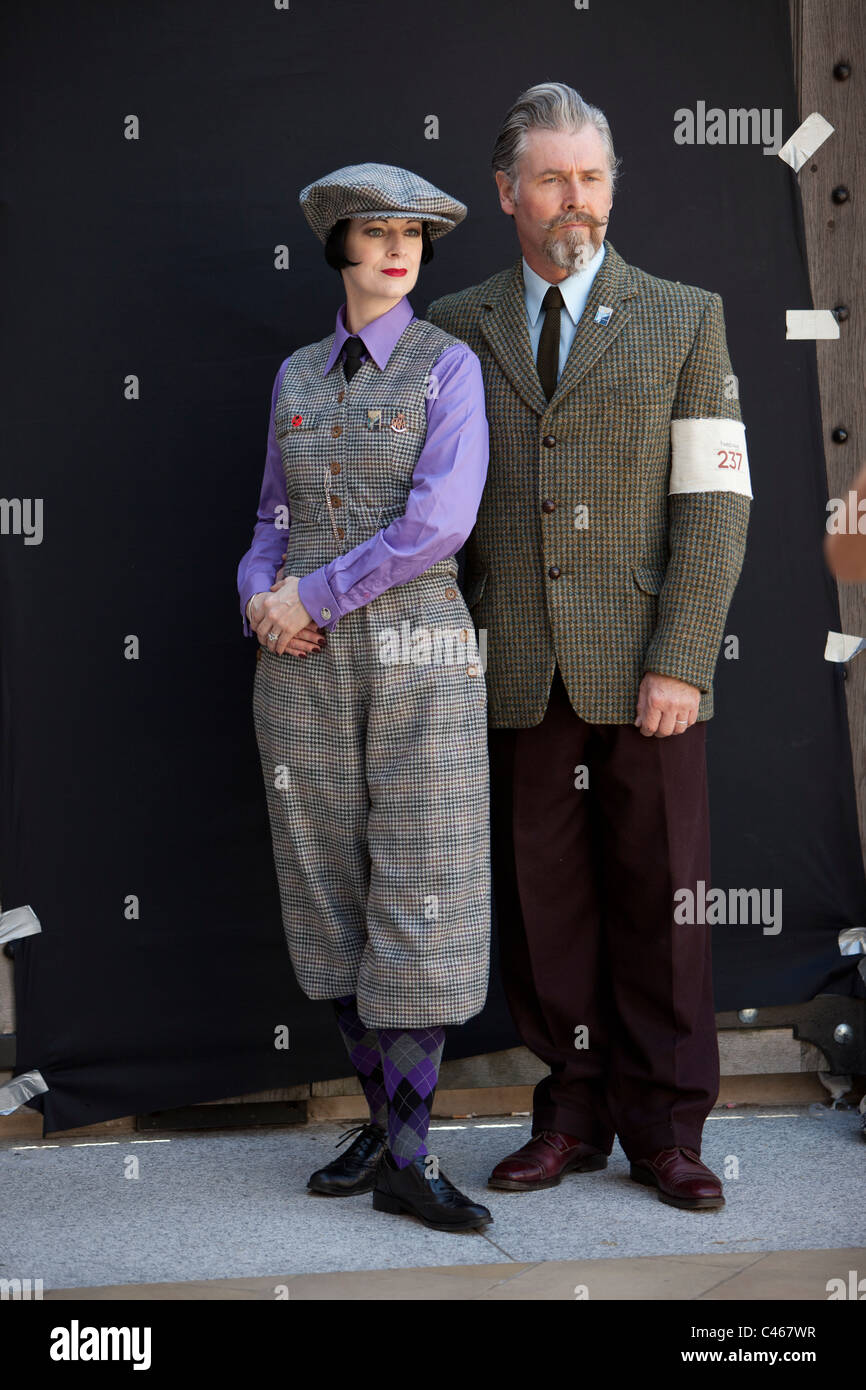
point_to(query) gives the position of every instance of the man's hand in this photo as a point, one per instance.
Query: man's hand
(665, 705)
(280, 611)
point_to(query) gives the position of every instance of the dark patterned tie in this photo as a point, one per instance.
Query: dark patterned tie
(547, 360)
(353, 347)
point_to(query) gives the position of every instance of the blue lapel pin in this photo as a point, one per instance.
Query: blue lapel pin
(602, 314)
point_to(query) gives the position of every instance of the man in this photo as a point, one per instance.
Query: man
(608, 544)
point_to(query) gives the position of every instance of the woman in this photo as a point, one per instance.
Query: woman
(374, 752)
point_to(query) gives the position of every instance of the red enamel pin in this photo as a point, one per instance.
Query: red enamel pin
(297, 419)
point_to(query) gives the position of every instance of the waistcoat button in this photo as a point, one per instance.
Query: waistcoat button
(335, 468)
(450, 593)
(340, 395)
(548, 441)
(335, 501)
(554, 571)
(340, 532)
(548, 506)
(336, 430)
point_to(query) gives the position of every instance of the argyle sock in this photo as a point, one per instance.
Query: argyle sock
(362, 1045)
(410, 1066)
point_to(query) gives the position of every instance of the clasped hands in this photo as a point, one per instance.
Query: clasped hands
(665, 705)
(280, 611)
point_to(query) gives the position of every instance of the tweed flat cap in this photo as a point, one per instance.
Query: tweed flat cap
(378, 190)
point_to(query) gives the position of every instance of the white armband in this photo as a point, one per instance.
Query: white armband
(709, 456)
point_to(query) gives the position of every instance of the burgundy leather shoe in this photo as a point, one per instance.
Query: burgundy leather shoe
(682, 1180)
(543, 1162)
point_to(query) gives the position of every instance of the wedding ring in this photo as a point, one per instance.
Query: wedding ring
(272, 636)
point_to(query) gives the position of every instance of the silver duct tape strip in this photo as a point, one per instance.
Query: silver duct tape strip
(806, 139)
(841, 646)
(852, 941)
(810, 323)
(18, 921)
(21, 1089)
(837, 1084)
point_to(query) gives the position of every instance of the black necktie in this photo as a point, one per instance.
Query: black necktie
(353, 347)
(547, 360)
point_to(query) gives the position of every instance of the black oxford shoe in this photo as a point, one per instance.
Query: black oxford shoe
(434, 1200)
(355, 1170)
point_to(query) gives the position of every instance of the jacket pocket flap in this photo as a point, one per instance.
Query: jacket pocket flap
(293, 420)
(303, 509)
(393, 419)
(650, 578)
(634, 389)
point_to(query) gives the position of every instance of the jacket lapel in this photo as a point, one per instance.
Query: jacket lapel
(612, 287)
(504, 326)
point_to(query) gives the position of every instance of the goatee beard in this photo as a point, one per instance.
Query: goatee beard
(569, 250)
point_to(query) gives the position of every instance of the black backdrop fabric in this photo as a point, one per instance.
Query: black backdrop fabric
(155, 257)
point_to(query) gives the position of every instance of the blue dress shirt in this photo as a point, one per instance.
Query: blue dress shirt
(575, 291)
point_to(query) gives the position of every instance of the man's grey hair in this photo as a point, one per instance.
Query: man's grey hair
(548, 106)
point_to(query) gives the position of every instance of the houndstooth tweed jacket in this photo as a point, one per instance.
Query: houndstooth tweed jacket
(612, 530)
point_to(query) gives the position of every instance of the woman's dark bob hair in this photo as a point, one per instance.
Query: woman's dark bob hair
(335, 246)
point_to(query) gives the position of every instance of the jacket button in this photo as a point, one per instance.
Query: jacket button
(548, 506)
(340, 395)
(548, 441)
(450, 593)
(335, 468)
(340, 532)
(336, 431)
(335, 501)
(554, 571)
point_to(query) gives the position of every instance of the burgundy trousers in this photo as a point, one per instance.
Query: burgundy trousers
(603, 985)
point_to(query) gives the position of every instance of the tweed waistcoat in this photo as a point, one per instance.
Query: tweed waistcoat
(349, 456)
(374, 760)
(583, 553)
